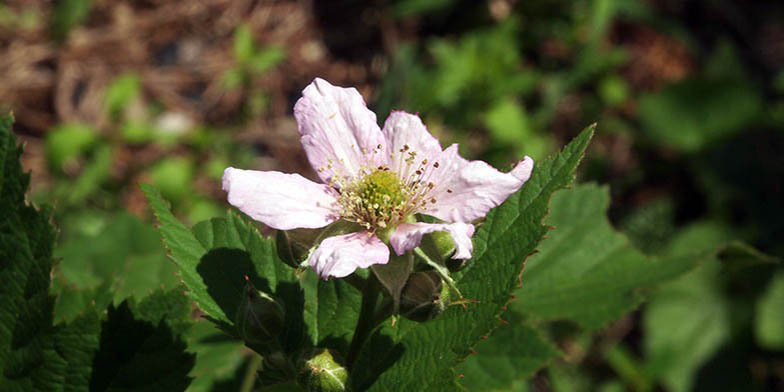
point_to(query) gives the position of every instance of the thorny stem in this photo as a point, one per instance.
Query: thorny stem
(366, 321)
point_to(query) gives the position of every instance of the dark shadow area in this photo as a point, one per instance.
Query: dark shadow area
(728, 370)
(378, 354)
(749, 174)
(233, 383)
(350, 27)
(338, 343)
(223, 271)
(137, 355)
(293, 335)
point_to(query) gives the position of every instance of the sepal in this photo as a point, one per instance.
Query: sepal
(424, 297)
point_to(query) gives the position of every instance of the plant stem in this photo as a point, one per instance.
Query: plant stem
(250, 373)
(366, 320)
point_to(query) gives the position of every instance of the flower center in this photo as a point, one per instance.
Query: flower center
(376, 201)
(381, 190)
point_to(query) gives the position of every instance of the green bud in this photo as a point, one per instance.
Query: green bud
(424, 297)
(259, 317)
(322, 373)
(444, 244)
(440, 246)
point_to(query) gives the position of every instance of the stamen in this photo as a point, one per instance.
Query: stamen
(377, 197)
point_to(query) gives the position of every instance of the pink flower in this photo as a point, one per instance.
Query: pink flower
(376, 177)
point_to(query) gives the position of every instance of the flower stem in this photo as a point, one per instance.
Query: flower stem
(366, 321)
(249, 381)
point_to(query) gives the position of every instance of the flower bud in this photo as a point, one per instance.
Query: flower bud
(424, 297)
(322, 373)
(259, 317)
(440, 246)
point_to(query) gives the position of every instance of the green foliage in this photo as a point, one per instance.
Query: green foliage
(113, 258)
(136, 348)
(251, 59)
(218, 357)
(583, 257)
(509, 125)
(331, 311)
(403, 8)
(650, 227)
(690, 115)
(513, 353)
(695, 305)
(67, 142)
(141, 348)
(689, 319)
(578, 274)
(67, 15)
(214, 258)
(173, 176)
(769, 323)
(422, 356)
(121, 92)
(29, 359)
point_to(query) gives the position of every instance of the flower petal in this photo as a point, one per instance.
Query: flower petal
(522, 171)
(341, 255)
(407, 236)
(406, 134)
(338, 132)
(467, 190)
(281, 201)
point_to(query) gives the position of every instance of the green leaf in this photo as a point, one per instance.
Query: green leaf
(218, 357)
(216, 256)
(173, 176)
(769, 323)
(509, 124)
(685, 322)
(141, 348)
(186, 252)
(331, 311)
(414, 356)
(244, 45)
(68, 14)
(123, 258)
(512, 354)
(25, 261)
(34, 355)
(585, 271)
(76, 343)
(266, 59)
(66, 142)
(694, 113)
(121, 91)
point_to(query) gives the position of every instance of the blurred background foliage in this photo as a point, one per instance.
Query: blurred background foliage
(689, 97)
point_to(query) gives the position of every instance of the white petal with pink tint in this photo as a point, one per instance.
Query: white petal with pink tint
(405, 133)
(338, 132)
(341, 255)
(523, 169)
(407, 236)
(467, 190)
(281, 201)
